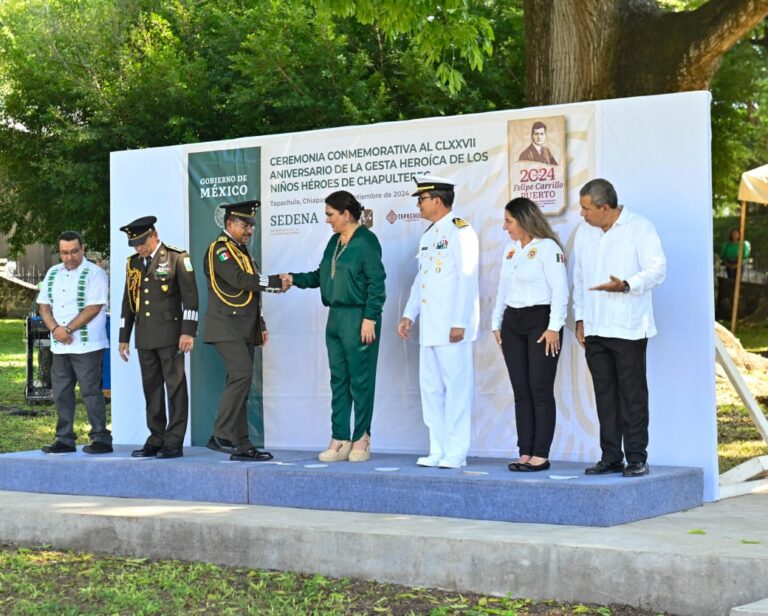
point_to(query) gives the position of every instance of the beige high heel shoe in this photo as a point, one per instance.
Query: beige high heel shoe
(336, 455)
(361, 455)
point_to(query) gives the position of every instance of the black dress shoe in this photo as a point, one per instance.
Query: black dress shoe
(166, 453)
(603, 468)
(251, 455)
(221, 445)
(636, 469)
(58, 447)
(514, 466)
(98, 447)
(148, 451)
(527, 467)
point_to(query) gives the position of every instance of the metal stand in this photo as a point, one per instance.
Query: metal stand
(39, 359)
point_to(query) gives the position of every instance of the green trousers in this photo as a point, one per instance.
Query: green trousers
(353, 372)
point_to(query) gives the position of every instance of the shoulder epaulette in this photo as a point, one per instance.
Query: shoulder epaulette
(460, 223)
(174, 248)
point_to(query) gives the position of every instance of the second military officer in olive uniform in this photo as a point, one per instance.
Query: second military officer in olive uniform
(233, 323)
(160, 300)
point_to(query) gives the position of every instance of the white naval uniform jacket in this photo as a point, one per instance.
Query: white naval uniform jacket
(445, 291)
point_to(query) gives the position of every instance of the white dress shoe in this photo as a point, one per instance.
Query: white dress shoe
(451, 463)
(431, 460)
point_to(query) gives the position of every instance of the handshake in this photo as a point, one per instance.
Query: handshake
(275, 283)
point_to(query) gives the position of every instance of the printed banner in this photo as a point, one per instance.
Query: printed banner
(545, 154)
(537, 162)
(216, 177)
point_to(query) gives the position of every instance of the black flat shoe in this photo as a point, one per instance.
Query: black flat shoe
(58, 447)
(603, 468)
(221, 445)
(636, 469)
(166, 453)
(532, 468)
(98, 447)
(148, 451)
(514, 466)
(251, 455)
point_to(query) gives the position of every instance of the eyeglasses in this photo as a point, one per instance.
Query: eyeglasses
(67, 253)
(421, 198)
(244, 225)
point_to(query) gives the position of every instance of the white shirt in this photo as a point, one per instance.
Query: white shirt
(445, 291)
(60, 289)
(531, 276)
(630, 250)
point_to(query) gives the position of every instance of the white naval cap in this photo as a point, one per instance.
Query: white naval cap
(425, 183)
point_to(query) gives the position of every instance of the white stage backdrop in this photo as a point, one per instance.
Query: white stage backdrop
(655, 150)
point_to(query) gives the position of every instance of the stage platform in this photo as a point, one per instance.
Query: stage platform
(388, 483)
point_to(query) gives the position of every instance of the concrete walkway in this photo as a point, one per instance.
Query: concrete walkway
(655, 564)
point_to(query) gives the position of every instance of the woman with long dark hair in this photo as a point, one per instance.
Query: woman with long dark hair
(527, 322)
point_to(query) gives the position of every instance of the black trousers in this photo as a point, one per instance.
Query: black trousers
(621, 394)
(163, 370)
(232, 417)
(532, 374)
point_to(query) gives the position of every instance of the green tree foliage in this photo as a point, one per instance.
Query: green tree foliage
(739, 125)
(444, 35)
(82, 78)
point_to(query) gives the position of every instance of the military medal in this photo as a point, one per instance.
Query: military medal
(162, 270)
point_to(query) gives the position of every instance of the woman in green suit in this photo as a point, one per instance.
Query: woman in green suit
(351, 280)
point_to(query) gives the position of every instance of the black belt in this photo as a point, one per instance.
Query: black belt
(524, 309)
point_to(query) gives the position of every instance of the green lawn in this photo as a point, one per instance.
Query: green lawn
(25, 426)
(45, 582)
(753, 337)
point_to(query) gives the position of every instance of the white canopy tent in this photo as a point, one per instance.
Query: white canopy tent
(753, 188)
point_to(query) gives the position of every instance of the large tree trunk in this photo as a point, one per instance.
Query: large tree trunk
(581, 50)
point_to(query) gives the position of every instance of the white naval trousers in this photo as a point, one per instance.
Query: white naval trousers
(446, 377)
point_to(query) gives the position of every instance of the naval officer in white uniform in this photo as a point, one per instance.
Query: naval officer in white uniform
(445, 294)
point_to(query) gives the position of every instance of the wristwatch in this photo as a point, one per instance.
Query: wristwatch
(68, 329)
(626, 287)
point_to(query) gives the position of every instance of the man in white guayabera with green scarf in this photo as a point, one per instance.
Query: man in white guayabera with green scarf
(72, 300)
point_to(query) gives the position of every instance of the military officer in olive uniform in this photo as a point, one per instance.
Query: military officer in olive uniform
(234, 324)
(445, 294)
(160, 300)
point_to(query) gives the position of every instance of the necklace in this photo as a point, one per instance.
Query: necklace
(336, 254)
